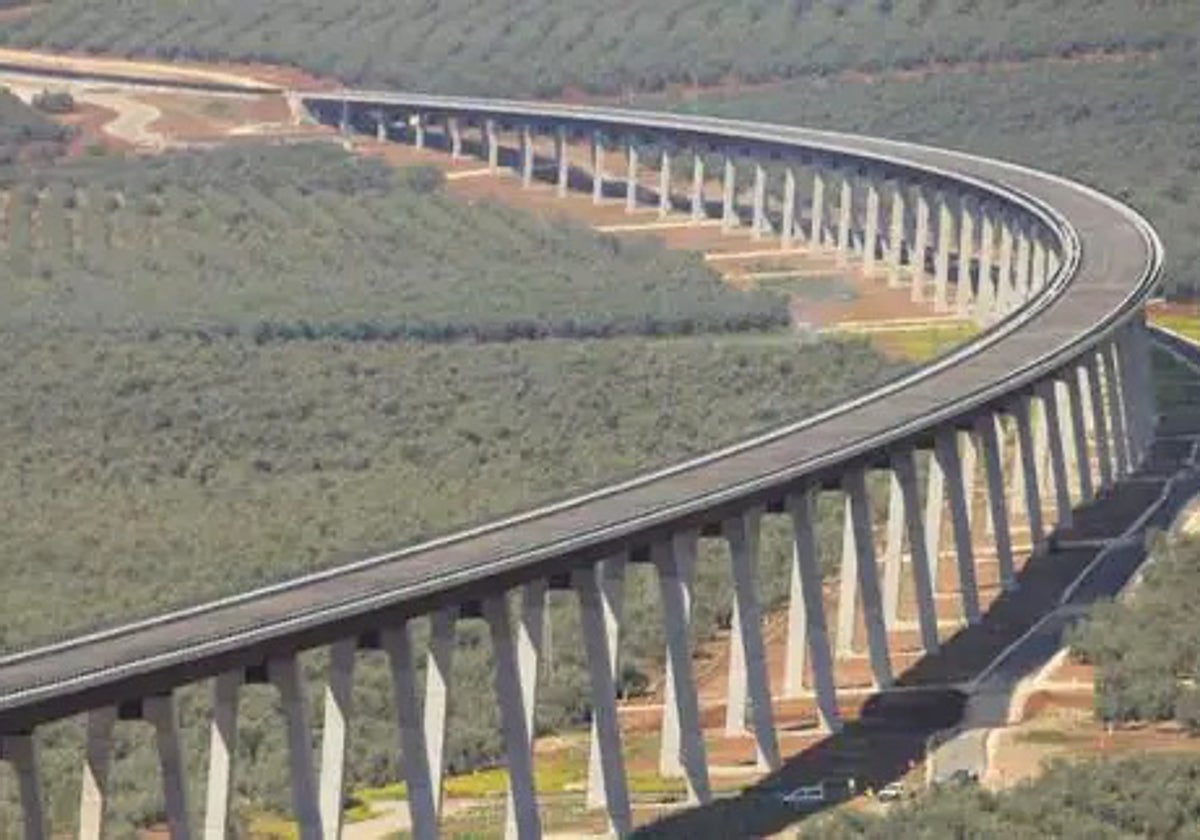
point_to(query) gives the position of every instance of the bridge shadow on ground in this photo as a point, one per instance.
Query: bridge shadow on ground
(894, 728)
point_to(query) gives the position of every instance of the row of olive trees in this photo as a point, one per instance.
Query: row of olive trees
(502, 47)
(309, 242)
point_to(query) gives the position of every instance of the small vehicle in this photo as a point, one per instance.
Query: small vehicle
(892, 792)
(805, 796)
(963, 777)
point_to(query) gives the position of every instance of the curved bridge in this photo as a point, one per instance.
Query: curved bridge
(1052, 404)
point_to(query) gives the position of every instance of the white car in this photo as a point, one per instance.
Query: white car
(805, 796)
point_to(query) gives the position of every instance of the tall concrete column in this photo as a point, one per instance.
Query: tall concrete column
(414, 755)
(597, 167)
(787, 232)
(729, 195)
(21, 752)
(916, 261)
(526, 157)
(807, 589)
(222, 750)
(893, 552)
(871, 227)
(1021, 275)
(676, 614)
(159, 712)
(284, 674)
(455, 131)
(986, 294)
(97, 758)
(1116, 411)
(437, 697)
(1037, 266)
(344, 119)
(682, 550)
(599, 639)
(945, 234)
(1006, 293)
(631, 177)
(697, 186)
(664, 183)
(562, 148)
(610, 596)
(947, 454)
(760, 202)
(1099, 419)
(492, 141)
(896, 237)
(742, 534)
(847, 602)
(381, 134)
(964, 298)
(1058, 461)
(1130, 397)
(513, 716)
(1078, 425)
(531, 635)
(816, 234)
(935, 503)
(904, 468)
(418, 125)
(1023, 411)
(985, 431)
(855, 486)
(845, 219)
(335, 734)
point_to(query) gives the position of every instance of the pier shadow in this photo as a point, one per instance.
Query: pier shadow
(894, 729)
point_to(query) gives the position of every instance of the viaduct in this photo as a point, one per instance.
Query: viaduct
(1050, 405)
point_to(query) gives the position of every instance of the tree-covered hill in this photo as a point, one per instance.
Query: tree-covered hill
(539, 48)
(309, 241)
(24, 131)
(1143, 797)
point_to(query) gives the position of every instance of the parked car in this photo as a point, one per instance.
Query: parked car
(892, 792)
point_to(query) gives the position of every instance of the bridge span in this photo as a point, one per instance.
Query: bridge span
(1050, 405)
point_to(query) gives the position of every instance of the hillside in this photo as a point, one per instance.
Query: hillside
(539, 48)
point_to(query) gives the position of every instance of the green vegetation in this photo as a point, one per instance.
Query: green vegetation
(539, 48)
(26, 133)
(229, 464)
(234, 367)
(308, 242)
(1135, 797)
(1129, 127)
(1146, 649)
(54, 102)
